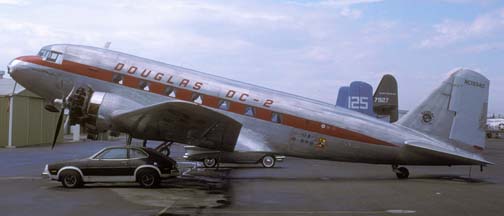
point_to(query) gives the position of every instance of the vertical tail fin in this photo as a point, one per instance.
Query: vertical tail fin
(455, 112)
(385, 98)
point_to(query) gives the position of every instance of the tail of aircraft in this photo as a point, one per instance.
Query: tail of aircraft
(455, 111)
(358, 96)
(386, 99)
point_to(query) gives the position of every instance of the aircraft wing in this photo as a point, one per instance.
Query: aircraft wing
(442, 154)
(181, 122)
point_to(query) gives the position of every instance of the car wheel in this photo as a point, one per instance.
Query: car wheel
(268, 161)
(148, 178)
(71, 179)
(209, 162)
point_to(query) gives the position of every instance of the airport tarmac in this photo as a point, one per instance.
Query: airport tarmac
(294, 187)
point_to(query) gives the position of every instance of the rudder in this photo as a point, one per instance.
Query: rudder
(454, 112)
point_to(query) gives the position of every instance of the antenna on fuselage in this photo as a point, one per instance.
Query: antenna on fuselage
(107, 45)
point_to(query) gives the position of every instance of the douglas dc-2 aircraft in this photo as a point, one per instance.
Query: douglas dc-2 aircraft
(108, 90)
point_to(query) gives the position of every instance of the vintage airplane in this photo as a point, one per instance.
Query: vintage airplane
(495, 127)
(108, 90)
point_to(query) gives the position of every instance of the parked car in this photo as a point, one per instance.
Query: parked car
(115, 164)
(210, 158)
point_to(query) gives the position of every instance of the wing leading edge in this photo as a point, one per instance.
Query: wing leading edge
(182, 122)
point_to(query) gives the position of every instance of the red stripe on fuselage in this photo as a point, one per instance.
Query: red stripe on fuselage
(208, 100)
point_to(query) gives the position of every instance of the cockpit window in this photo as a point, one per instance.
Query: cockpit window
(43, 53)
(51, 56)
(55, 57)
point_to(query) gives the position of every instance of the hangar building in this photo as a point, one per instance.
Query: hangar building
(31, 123)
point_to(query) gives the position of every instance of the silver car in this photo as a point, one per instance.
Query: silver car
(211, 158)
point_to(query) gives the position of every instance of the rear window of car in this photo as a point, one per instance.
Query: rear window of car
(135, 153)
(118, 153)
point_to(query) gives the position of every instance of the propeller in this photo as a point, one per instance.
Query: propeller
(64, 105)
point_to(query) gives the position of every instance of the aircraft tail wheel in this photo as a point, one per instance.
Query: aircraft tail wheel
(209, 162)
(402, 173)
(268, 161)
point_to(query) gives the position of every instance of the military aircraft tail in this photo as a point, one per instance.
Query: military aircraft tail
(386, 98)
(455, 111)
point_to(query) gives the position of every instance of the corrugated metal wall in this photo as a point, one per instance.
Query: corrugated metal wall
(32, 124)
(4, 120)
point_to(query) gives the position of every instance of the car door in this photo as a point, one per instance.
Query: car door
(111, 164)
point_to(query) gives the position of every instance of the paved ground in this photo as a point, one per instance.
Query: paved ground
(296, 187)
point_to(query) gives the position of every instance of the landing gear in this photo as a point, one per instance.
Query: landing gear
(401, 172)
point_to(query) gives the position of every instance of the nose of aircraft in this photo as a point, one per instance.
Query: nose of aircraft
(13, 67)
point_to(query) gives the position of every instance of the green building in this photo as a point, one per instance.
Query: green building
(31, 123)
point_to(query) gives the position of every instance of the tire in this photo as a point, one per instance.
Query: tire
(209, 162)
(268, 161)
(148, 178)
(403, 173)
(71, 179)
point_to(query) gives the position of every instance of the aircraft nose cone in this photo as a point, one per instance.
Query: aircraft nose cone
(13, 66)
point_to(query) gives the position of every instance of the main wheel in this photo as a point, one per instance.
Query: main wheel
(402, 173)
(148, 178)
(209, 162)
(268, 161)
(71, 179)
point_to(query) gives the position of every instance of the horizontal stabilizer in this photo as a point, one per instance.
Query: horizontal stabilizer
(448, 156)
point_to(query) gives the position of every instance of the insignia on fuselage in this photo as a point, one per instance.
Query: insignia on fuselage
(427, 117)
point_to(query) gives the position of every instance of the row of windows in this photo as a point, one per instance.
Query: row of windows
(197, 98)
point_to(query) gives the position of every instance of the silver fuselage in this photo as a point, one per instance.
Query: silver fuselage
(308, 128)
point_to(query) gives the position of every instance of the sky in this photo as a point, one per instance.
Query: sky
(308, 48)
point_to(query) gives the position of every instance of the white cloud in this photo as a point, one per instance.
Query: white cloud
(484, 47)
(450, 32)
(13, 2)
(352, 13)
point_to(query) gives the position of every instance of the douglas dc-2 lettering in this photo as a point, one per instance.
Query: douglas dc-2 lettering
(105, 90)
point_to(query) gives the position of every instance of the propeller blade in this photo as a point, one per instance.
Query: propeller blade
(64, 105)
(58, 127)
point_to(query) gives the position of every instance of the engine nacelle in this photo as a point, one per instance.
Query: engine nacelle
(93, 110)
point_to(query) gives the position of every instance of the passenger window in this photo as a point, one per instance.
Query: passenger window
(134, 153)
(118, 78)
(118, 153)
(224, 105)
(144, 85)
(170, 91)
(197, 98)
(250, 111)
(276, 117)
